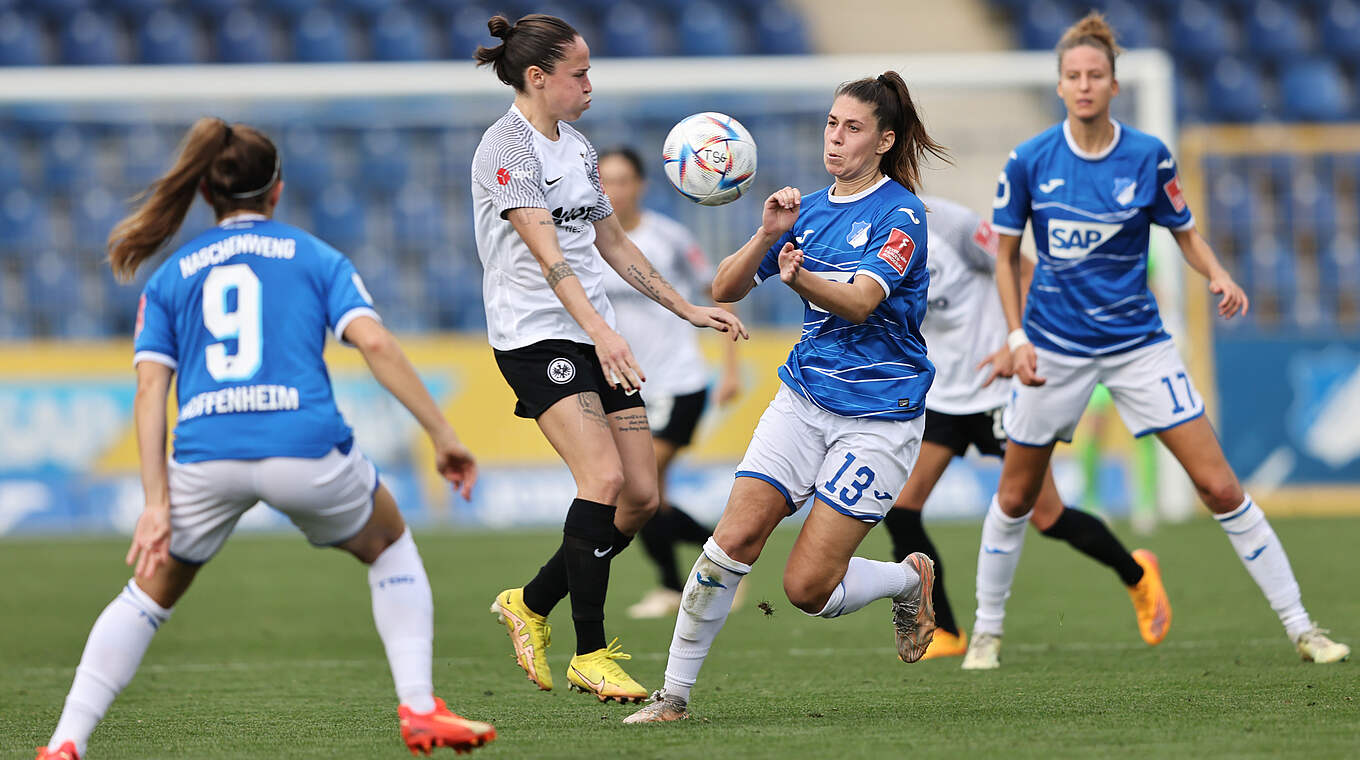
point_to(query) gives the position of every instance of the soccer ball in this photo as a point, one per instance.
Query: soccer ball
(710, 158)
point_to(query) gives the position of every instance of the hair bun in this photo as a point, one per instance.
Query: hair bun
(499, 26)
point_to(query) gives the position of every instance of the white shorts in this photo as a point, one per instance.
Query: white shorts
(1149, 387)
(330, 499)
(856, 465)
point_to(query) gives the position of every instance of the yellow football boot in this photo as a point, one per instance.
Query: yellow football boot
(599, 673)
(529, 633)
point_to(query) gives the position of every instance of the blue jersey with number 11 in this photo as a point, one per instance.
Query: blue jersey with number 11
(1091, 216)
(241, 313)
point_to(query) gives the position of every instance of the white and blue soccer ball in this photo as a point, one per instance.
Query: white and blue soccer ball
(710, 158)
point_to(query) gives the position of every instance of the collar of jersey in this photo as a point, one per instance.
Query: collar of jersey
(866, 192)
(246, 217)
(514, 109)
(1072, 144)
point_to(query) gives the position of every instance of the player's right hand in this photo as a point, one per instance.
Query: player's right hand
(456, 464)
(1027, 366)
(790, 263)
(150, 540)
(616, 359)
(1002, 362)
(781, 210)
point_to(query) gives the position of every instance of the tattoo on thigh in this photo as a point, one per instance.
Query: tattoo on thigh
(632, 422)
(592, 409)
(559, 272)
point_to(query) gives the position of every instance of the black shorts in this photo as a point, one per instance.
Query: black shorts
(548, 371)
(956, 431)
(674, 418)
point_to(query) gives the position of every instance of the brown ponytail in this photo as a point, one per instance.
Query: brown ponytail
(237, 165)
(1094, 31)
(894, 110)
(535, 40)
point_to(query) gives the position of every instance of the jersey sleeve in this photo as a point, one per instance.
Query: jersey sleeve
(1010, 207)
(890, 250)
(603, 207)
(510, 173)
(1169, 208)
(347, 298)
(769, 266)
(974, 238)
(154, 336)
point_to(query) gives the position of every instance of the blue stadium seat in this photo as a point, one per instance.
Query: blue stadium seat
(143, 153)
(418, 221)
(292, 8)
(20, 40)
(169, 37)
(1199, 34)
(244, 37)
(60, 9)
(706, 29)
(1234, 93)
(1274, 32)
(338, 218)
(1339, 30)
(630, 31)
(466, 30)
(366, 8)
(11, 173)
(1313, 90)
(1042, 23)
(90, 39)
(1313, 200)
(384, 161)
(322, 36)
(212, 8)
(581, 18)
(134, 9)
(306, 160)
(1132, 24)
(779, 30)
(68, 160)
(25, 225)
(94, 212)
(401, 35)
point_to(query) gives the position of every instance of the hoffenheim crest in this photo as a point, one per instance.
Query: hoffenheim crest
(859, 234)
(1124, 189)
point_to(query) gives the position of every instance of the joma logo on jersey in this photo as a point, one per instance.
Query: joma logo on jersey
(1070, 239)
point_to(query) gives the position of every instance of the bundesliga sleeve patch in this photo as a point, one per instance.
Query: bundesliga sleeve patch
(897, 251)
(987, 238)
(1172, 188)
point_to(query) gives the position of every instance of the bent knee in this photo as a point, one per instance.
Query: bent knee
(1221, 495)
(603, 485)
(806, 594)
(1016, 500)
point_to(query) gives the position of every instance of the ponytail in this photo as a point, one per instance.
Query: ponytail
(1093, 31)
(894, 110)
(237, 166)
(535, 40)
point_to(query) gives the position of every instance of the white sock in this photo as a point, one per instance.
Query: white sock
(1263, 555)
(704, 606)
(867, 580)
(1002, 539)
(113, 651)
(403, 609)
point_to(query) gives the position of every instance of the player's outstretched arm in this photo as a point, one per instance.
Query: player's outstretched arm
(736, 274)
(393, 370)
(1010, 274)
(852, 301)
(1201, 258)
(536, 228)
(151, 539)
(623, 255)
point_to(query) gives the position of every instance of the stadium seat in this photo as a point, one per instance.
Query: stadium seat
(384, 161)
(94, 212)
(338, 218)
(630, 31)
(21, 40)
(243, 36)
(212, 8)
(706, 29)
(322, 36)
(1200, 35)
(25, 226)
(1042, 23)
(68, 160)
(142, 154)
(91, 39)
(11, 173)
(59, 9)
(1234, 92)
(401, 35)
(1339, 30)
(1132, 23)
(168, 37)
(418, 221)
(1313, 90)
(291, 9)
(364, 8)
(306, 160)
(1274, 32)
(779, 30)
(134, 9)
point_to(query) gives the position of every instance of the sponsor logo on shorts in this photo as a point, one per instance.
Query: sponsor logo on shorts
(561, 370)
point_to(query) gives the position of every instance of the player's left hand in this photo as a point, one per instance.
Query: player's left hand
(790, 263)
(719, 319)
(456, 463)
(150, 540)
(1234, 299)
(1003, 365)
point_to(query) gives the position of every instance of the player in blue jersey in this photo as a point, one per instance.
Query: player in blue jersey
(1092, 187)
(241, 313)
(845, 426)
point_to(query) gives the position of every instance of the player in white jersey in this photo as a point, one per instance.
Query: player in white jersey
(1092, 188)
(241, 312)
(965, 331)
(667, 349)
(545, 231)
(843, 430)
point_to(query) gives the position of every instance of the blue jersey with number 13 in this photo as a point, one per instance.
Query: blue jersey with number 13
(241, 313)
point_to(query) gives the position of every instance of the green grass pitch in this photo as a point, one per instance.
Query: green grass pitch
(273, 655)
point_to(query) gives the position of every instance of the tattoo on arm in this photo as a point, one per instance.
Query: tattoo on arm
(632, 422)
(559, 272)
(591, 409)
(650, 283)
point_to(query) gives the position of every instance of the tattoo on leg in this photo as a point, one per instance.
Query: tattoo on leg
(632, 422)
(592, 409)
(559, 272)
(647, 282)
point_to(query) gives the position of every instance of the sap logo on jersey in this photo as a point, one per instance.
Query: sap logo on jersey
(1071, 239)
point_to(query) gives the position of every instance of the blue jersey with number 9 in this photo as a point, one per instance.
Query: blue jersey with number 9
(241, 313)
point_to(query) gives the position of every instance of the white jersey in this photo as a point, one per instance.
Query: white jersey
(964, 322)
(665, 346)
(516, 166)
